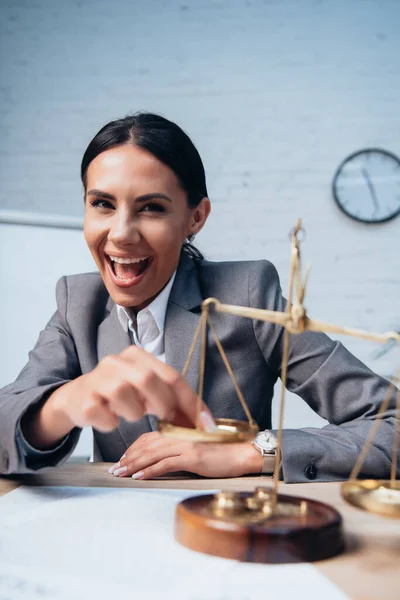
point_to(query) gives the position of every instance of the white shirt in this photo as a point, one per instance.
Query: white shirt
(148, 331)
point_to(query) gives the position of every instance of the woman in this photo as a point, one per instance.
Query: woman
(110, 356)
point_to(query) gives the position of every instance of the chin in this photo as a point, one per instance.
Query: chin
(127, 300)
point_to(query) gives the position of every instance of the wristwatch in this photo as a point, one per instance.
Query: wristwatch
(266, 442)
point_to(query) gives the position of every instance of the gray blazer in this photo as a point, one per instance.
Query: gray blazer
(85, 328)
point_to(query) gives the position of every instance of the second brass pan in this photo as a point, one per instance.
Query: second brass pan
(228, 431)
(375, 496)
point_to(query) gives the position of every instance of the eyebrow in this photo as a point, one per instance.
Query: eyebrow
(143, 198)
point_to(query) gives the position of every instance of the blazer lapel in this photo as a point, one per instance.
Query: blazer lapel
(182, 318)
(112, 339)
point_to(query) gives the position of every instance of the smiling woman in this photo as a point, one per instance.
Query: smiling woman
(111, 356)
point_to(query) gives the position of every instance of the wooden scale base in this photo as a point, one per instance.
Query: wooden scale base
(244, 526)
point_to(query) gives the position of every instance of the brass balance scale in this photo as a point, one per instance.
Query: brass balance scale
(266, 526)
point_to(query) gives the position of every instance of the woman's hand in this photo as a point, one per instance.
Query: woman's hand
(126, 385)
(153, 455)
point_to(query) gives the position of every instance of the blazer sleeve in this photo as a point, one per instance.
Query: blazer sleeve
(52, 363)
(336, 385)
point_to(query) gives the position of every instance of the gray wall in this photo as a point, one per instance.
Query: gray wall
(274, 93)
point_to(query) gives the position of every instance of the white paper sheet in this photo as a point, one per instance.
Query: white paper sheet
(25, 583)
(122, 540)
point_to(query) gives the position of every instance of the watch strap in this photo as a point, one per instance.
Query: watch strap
(268, 465)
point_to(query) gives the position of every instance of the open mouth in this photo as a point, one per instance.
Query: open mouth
(128, 271)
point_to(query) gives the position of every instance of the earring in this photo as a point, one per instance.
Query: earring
(190, 237)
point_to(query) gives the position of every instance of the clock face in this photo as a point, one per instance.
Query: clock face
(366, 186)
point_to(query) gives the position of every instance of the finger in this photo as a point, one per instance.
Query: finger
(167, 465)
(157, 396)
(146, 444)
(97, 413)
(149, 392)
(185, 400)
(207, 422)
(149, 449)
(151, 458)
(147, 441)
(125, 385)
(144, 441)
(125, 400)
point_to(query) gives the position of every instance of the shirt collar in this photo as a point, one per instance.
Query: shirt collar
(157, 308)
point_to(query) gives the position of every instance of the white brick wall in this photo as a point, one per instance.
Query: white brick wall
(275, 94)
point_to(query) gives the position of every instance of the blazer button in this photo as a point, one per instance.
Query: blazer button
(311, 471)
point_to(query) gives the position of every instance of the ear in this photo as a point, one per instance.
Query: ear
(199, 216)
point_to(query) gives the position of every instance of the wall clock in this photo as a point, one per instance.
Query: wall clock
(366, 185)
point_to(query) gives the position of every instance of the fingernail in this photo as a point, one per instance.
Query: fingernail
(119, 471)
(113, 468)
(207, 422)
(138, 475)
(123, 456)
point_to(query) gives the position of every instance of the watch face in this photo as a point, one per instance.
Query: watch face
(266, 441)
(366, 186)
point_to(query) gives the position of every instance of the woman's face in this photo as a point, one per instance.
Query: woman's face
(136, 220)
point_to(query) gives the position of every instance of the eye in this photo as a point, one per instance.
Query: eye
(153, 207)
(99, 203)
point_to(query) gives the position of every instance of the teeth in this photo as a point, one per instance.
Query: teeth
(127, 261)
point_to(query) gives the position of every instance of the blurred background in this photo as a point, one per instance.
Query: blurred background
(275, 94)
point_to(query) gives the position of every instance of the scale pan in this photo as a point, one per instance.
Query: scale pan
(375, 496)
(229, 431)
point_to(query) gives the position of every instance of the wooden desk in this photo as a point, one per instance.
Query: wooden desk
(368, 570)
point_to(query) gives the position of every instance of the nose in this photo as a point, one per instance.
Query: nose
(124, 230)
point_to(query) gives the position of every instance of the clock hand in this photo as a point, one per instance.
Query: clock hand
(371, 188)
